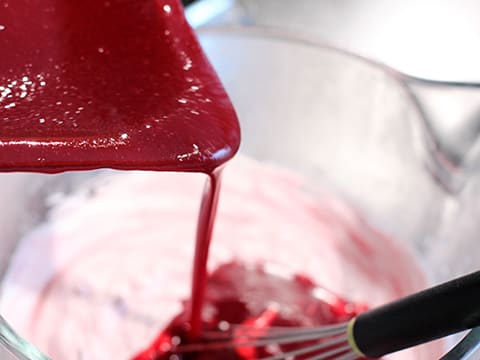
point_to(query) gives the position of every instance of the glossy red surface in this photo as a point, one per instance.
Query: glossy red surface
(108, 83)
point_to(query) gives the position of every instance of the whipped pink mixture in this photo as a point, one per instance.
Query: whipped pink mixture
(112, 265)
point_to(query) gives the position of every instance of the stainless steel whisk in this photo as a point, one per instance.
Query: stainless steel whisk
(419, 318)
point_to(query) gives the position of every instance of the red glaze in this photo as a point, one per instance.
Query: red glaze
(108, 83)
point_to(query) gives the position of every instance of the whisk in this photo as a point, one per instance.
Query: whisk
(419, 318)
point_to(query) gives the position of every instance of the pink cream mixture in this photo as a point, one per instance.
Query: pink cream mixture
(111, 266)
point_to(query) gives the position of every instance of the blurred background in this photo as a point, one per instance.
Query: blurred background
(430, 44)
(429, 48)
(434, 39)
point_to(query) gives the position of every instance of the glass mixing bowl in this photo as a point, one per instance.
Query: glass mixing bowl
(339, 120)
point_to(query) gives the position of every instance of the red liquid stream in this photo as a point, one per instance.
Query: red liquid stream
(205, 225)
(120, 84)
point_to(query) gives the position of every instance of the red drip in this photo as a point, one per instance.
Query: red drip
(205, 225)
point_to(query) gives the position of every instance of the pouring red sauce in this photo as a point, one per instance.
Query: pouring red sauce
(119, 84)
(124, 84)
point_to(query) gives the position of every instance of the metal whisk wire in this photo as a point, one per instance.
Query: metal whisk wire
(334, 341)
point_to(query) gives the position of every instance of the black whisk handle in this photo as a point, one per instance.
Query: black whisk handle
(431, 314)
